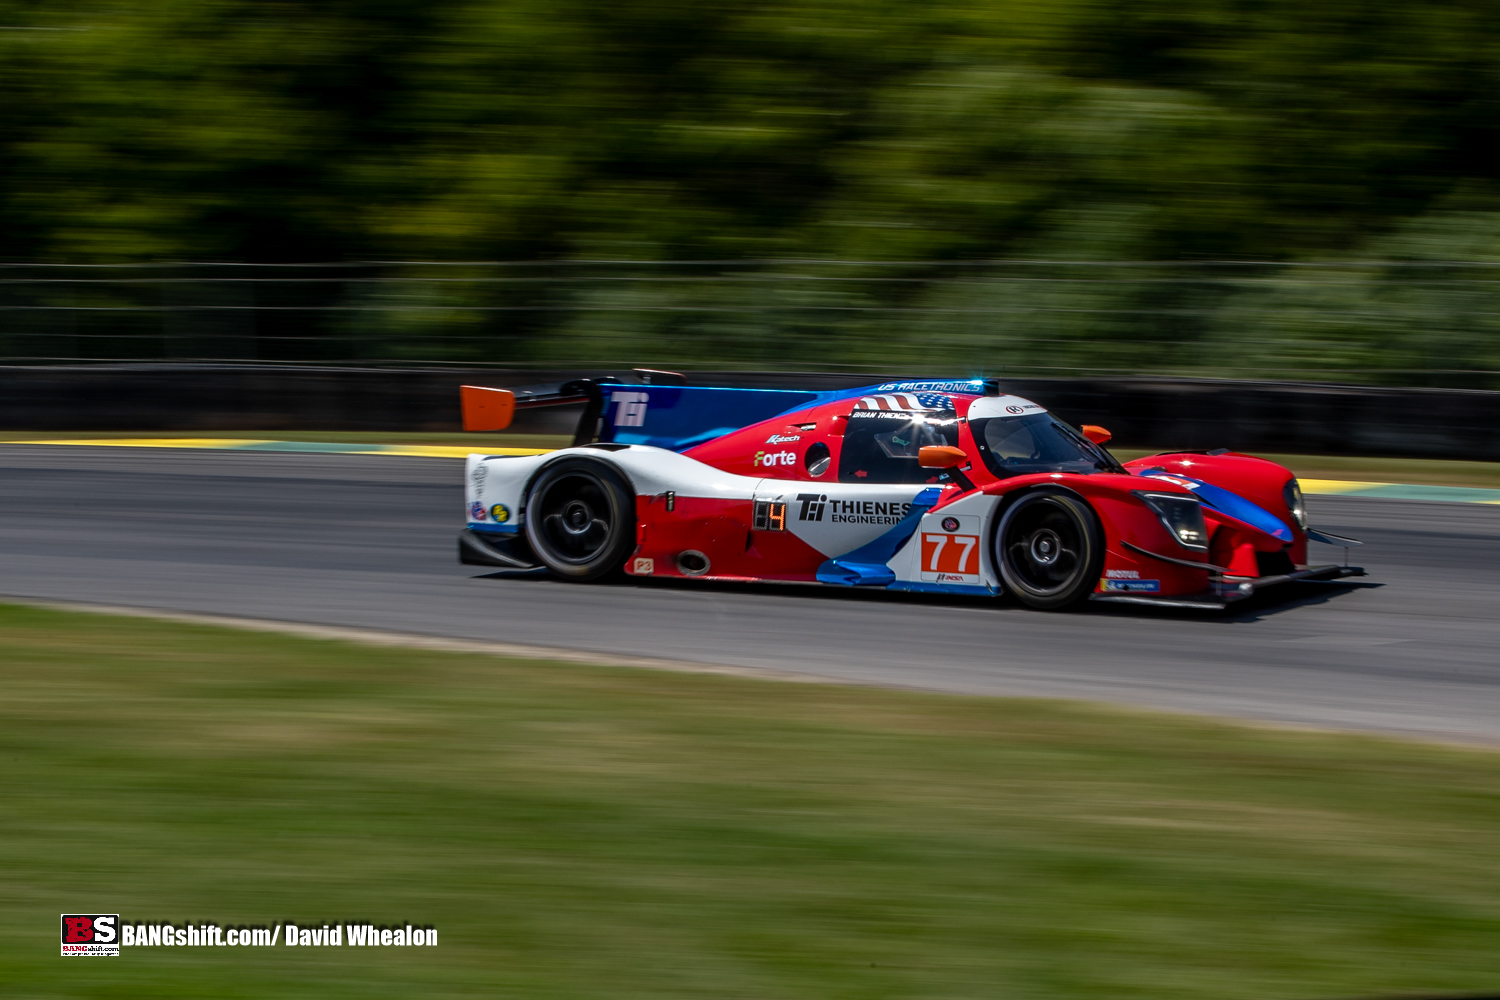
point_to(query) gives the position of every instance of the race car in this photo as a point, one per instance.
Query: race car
(931, 485)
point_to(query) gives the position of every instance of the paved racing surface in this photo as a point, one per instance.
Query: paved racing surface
(369, 541)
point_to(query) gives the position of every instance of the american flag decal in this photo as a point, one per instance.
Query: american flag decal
(905, 401)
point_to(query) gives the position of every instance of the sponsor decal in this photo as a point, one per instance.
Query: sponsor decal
(812, 506)
(631, 410)
(1003, 406)
(770, 515)
(500, 513)
(91, 935)
(1142, 586)
(905, 401)
(967, 385)
(477, 477)
(815, 505)
(950, 524)
(953, 558)
(159, 935)
(766, 459)
(1122, 574)
(476, 511)
(783, 438)
(643, 567)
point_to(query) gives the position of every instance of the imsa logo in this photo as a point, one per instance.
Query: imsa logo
(90, 935)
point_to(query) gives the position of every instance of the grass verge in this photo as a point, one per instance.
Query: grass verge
(592, 832)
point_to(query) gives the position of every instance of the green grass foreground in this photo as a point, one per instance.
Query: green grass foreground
(592, 832)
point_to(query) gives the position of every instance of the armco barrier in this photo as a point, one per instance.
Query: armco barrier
(1142, 412)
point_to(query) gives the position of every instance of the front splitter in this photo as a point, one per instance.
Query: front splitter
(1227, 590)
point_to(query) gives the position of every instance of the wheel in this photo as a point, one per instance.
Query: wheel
(580, 518)
(1050, 549)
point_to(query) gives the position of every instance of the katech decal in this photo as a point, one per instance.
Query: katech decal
(476, 511)
(1144, 586)
(783, 438)
(500, 513)
(632, 408)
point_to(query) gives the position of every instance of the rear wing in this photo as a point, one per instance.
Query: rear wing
(656, 409)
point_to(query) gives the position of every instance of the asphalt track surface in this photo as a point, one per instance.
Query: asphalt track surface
(369, 542)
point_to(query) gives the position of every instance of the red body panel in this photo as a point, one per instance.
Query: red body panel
(1257, 480)
(720, 529)
(757, 450)
(778, 448)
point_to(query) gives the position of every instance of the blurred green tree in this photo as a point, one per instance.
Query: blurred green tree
(917, 136)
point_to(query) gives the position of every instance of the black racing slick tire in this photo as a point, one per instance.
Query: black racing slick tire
(580, 518)
(1050, 549)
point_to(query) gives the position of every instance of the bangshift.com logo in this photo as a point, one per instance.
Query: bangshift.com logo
(90, 935)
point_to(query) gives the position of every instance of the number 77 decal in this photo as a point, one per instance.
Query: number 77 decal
(950, 556)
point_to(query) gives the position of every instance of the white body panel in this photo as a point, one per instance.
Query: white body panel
(502, 479)
(833, 518)
(960, 555)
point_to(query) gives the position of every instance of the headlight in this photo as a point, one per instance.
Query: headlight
(1292, 493)
(1182, 516)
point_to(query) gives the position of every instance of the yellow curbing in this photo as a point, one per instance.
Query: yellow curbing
(151, 442)
(1336, 486)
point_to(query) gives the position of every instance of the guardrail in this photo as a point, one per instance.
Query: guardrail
(1142, 412)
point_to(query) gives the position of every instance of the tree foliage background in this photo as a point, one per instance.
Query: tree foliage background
(1035, 183)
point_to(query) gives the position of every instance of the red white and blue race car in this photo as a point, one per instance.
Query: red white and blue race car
(928, 485)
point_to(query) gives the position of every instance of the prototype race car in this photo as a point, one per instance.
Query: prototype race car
(928, 485)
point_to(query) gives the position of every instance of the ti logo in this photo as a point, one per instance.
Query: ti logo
(813, 505)
(632, 408)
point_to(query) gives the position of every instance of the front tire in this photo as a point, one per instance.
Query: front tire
(580, 519)
(1050, 549)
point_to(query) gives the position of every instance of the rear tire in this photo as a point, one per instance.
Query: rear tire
(580, 519)
(1050, 549)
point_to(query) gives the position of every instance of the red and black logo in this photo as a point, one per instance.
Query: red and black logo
(90, 933)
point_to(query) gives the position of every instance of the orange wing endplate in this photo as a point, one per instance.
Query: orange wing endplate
(486, 409)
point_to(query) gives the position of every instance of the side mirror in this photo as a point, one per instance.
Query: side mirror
(1095, 433)
(941, 456)
(486, 409)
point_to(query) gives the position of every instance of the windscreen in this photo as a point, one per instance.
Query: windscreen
(1017, 446)
(881, 446)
